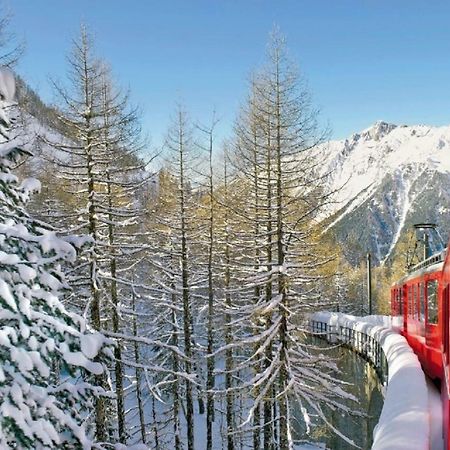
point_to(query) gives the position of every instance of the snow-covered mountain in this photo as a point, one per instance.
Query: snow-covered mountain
(386, 178)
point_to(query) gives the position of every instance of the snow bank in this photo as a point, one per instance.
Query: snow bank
(131, 447)
(404, 421)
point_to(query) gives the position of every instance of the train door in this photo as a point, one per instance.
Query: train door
(404, 301)
(432, 330)
(445, 359)
(397, 307)
(445, 323)
(421, 294)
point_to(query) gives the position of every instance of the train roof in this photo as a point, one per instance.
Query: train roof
(432, 264)
(432, 260)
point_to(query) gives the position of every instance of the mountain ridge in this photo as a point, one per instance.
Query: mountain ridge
(381, 177)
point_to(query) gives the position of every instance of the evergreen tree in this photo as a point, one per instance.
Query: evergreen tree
(39, 409)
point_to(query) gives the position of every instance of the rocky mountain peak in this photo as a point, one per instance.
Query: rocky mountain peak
(377, 131)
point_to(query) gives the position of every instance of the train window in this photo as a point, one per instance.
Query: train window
(415, 301)
(400, 302)
(394, 301)
(410, 303)
(432, 287)
(422, 301)
(446, 298)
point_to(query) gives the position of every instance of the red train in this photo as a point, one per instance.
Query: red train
(421, 302)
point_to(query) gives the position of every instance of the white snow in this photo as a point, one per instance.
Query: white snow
(31, 185)
(404, 206)
(404, 422)
(27, 273)
(131, 447)
(8, 258)
(6, 295)
(78, 359)
(7, 84)
(435, 407)
(91, 344)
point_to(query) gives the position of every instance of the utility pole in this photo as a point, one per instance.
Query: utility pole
(369, 283)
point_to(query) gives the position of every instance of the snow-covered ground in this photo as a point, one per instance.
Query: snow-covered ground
(435, 408)
(410, 418)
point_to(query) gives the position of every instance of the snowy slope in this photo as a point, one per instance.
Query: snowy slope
(32, 135)
(387, 177)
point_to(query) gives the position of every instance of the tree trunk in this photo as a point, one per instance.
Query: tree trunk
(228, 333)
(138, 372)
(100, 413)
(210, 381)
(268, 425)
(155, 424)
(257, 290)
(283, 309)
(118, 366)
(187, 319)
(175, 386)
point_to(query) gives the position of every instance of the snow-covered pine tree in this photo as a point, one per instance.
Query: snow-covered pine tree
(179, 143)
(165, 317)
(79, 158)
(175, 292)
(275, 138)
(119, 187)
(38, 410)
(229, 362)
(226, 235)
(97, 159)
(208, 244)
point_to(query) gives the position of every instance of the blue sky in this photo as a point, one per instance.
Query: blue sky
(364, 60)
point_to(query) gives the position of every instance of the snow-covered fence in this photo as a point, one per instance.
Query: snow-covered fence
(404, 420)
(364, 344)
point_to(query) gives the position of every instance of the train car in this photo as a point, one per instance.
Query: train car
(445, 326)
(420, 302)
